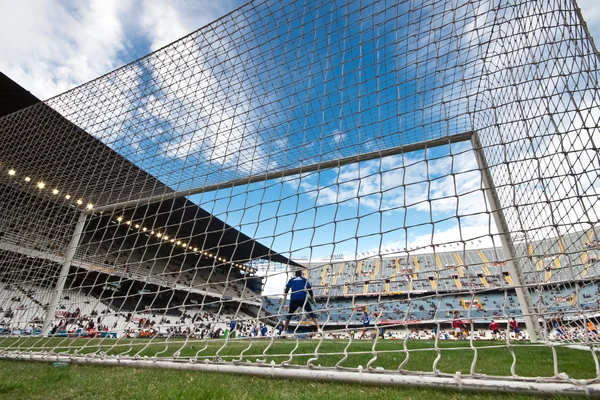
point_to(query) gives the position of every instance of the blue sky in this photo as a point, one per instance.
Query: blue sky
(50, 46)
(338, 75)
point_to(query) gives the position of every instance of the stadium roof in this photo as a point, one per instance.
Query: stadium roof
(77, 165)
(13, 97)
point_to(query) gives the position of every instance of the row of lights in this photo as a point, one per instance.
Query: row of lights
(176, 242)
(41, 185)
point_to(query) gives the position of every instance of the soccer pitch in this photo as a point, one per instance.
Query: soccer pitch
(44, 381)
(49, 381)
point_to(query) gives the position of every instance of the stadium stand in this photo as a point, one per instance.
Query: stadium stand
(400, 290)
(116, 266)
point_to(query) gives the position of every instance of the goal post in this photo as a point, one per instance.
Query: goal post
(525, 301)
(305, 169)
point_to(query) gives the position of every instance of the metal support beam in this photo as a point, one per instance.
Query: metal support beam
(462, 137)
(531, 324)
(64, 272)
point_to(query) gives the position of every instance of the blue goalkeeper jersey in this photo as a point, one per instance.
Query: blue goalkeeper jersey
(366, 320)
(298, 286)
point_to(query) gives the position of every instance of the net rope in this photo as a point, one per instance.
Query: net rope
(430, 168)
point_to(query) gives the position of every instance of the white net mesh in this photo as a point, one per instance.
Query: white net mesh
(430, 168)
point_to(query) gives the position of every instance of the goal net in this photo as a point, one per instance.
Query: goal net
(379, 191)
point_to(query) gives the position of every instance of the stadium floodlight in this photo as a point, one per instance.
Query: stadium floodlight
(418, 175)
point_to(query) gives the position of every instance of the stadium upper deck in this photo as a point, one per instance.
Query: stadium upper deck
(562, 276)
(566, 303)
(569, 258)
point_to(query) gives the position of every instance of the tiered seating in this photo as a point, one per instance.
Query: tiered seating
(135, 264)
(544, 261)
(25, 307)
(490, 305)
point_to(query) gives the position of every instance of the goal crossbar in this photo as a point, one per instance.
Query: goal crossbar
(361, 157)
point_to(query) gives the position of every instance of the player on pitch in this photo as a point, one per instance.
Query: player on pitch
(300, 286)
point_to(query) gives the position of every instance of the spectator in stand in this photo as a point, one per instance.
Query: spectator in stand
(299, 286)
(592, 328)
(559, 330)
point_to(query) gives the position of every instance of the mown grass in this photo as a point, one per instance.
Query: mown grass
(493, 358)
(20, 379)
(40, 380)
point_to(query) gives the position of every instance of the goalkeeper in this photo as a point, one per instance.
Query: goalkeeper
(300, 286)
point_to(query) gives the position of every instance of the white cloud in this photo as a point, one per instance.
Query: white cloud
(338, 136)
(274, 283)
(590, 9)
(49, 47)
(213, 113)
(432, 188)
(405, 180)
(165, 22)
(62, 46)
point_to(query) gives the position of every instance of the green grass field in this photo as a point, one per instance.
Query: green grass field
(19, 378)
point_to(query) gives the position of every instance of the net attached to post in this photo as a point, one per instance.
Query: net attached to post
(418, 181)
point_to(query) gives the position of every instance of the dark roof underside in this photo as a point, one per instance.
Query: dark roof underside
(69, 158)
(13, 97)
